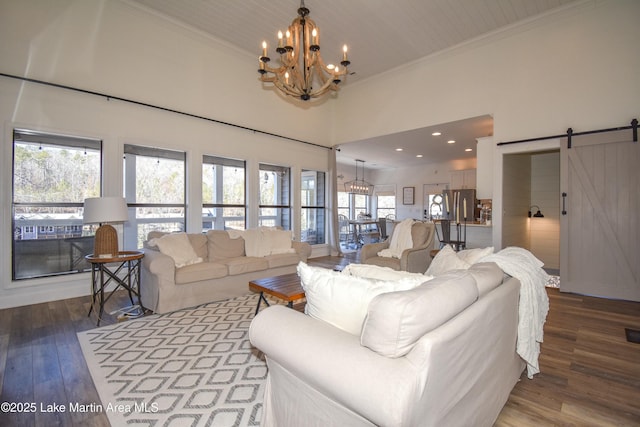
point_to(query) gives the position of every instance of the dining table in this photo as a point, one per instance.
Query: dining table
(363, 227)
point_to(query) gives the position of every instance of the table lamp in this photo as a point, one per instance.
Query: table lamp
(105, 210)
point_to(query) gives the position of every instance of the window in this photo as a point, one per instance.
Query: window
(154, 186)
(343, 203)
(386, 205)
(223, 194)
(361, 205)
(52, 175)
(275, 185)
(312, 213)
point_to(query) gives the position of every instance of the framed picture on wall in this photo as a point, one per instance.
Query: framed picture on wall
(408, 195)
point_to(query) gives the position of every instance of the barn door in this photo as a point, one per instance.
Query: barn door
(600, 207)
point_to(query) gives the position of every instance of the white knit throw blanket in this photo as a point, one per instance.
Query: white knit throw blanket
(400, 240)
(534, 302)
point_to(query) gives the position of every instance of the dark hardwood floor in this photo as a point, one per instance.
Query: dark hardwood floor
(590, 373)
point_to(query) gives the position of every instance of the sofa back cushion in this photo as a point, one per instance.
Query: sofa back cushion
(221, 246)
(342, 300)
(370, 271)
(488, 276)
(397, 320)
(422, 233)
(199, 244)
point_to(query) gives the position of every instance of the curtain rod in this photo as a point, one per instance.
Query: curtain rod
(157, 107)
(570, 133)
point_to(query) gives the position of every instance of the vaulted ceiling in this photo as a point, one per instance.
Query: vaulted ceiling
(381, 35)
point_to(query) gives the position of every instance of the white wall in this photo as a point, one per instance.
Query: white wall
(111, 47)
(577, 68)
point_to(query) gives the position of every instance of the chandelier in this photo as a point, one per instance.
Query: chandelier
(301, 72)
(359, 186)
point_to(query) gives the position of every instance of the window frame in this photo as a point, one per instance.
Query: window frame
(285, 187)
(209, 160)
(134, 222)
(320, 198)
(80, 236)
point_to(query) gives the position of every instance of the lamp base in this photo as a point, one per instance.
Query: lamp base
(105, 244)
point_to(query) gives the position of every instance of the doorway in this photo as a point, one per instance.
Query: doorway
(531, 205)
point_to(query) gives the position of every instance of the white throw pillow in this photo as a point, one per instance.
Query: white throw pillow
(397, 320)
(370, 271)
(474, 255)
(253, 244)
(446, 260)
(178, 247)
(277, 241)
(263, 241)
(342, 300)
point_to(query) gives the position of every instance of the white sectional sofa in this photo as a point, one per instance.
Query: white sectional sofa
(199, 268)
(439, 354)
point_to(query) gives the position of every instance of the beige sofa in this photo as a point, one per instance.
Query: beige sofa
(223, 272)
(440, 354)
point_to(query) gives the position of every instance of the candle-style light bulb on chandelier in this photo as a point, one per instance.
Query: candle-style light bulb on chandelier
(359, 186)
(301, 72)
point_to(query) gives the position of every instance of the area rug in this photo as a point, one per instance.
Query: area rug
(192, 367)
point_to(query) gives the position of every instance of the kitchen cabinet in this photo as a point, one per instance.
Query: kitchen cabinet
(463, 179)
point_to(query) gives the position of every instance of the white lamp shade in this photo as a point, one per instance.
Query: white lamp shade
(102, 210)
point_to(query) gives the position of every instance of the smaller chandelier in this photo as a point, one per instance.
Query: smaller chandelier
(301, 72)
(359, 186)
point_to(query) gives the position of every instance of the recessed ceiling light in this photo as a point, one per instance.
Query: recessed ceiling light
(399, 149)
(418, 155)
(436, 133)
(451, 141)
(468, 149)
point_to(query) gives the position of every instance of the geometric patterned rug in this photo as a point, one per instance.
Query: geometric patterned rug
(192, 367)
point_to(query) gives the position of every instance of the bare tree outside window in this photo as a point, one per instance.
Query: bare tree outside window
(52, 175)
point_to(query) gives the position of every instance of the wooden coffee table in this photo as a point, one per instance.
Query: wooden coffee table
(286, 287)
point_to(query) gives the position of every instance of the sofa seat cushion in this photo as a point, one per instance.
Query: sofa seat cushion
(282, 260)
(199, 272)
(397, 320)
(342, 300)
(245, 264)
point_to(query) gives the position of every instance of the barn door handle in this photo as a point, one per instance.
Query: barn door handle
(564, 207)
